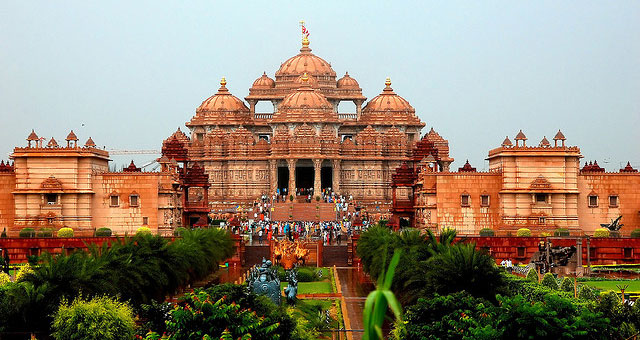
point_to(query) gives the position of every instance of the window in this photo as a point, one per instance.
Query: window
(133, 200)
(541, 198)
(521, 251)
(114, 200)
(613, 201)
(264, 137)
(628, 252)
(52, 198)
(542, 220)
(593, 201)
(465, 200)
(592, 253)
(347, 137)
(484, 200)
(145, 220)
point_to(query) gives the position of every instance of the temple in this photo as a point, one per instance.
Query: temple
(304, 145)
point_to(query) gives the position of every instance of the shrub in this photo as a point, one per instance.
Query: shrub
(143, 230)
(635, 233)
(4, 278)
(101, 318)
(23, 272)
(545, 234)
(549, 281)
(486, 232)
(317, 198)
(566, 285)
(45, 232)
(586, 293)
(178, 231)
(4, 233)
(103, 232)
(65, 232)
(523, 232)
(532, 275)
(27, 232)
(601, 232)
(291, 198)
(561, 232)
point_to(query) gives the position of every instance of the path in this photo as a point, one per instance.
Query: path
(355, 286)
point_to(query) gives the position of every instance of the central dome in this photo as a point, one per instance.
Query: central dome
(307, 62)
(305, 104)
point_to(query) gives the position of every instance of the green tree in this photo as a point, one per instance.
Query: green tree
(532, 275)
(567, 285)
(549, 281)
(101, 318)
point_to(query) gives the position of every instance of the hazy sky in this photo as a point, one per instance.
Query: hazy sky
(128, 73)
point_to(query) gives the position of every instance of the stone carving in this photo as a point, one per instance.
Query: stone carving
(291, 291)
(288, 254)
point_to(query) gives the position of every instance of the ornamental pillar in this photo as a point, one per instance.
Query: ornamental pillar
(317, 179)
(252, 106)
(358, 107)
(336, 176)
(291, 163)
(273, 175)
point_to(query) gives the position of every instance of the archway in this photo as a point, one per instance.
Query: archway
(304, 176)
(283, 177)
(326, 175)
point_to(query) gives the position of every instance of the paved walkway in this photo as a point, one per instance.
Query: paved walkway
(355, 286)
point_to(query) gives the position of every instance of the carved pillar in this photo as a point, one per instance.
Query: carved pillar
(273, 175)
(252, 106)
(292, 177)
(336, 176)
(317, 179)
(358, 107)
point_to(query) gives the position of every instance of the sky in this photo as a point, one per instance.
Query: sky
(128, 73)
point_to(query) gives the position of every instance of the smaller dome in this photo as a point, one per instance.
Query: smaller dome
(388, 101)
(347, 82)
(305, 98)
(264, 82)
(223, 101)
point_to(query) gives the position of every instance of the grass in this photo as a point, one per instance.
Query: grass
(634, 285)
(311, 287)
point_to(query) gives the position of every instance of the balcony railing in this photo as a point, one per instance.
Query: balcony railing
(263, 115)
(348, 116)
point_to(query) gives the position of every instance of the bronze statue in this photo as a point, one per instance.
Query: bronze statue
(615, 225)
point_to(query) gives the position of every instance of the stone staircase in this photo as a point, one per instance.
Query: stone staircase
(254, 254)
(335, 256)
(296, 211)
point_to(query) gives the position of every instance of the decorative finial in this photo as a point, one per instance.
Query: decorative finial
(223, 81)
(305, 77)
(388, 82)
(305, 34)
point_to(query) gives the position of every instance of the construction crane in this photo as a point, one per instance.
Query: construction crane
(133, 152)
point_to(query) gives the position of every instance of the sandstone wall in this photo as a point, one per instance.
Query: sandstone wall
(7, 185)
(625, 185)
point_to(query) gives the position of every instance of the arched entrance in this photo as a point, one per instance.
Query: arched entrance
(283, 176)
(326, 175)
(304, 176)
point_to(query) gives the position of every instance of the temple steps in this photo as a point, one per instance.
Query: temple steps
(315, 211)
(335, 256)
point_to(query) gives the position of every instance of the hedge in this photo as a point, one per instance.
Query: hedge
(635, 233)
(561, 232)
(601, 232)
(65, 232)
(487, 232)
(103, 232)
(523, 232)
(27, 232)
(145, 230)
(45, 232)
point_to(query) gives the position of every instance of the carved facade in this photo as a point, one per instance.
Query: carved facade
(305, 143)
(538, 187)
(52, 186)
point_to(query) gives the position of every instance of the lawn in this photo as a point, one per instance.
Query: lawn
(634, 285)
(311, 287)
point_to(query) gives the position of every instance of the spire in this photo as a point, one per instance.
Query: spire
(507, 142)
(52, 143)
(90, 143)
(544, 142)
(223, 88)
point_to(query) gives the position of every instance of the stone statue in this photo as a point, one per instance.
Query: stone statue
(292, 288)
(263, 280)
(615, 225)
